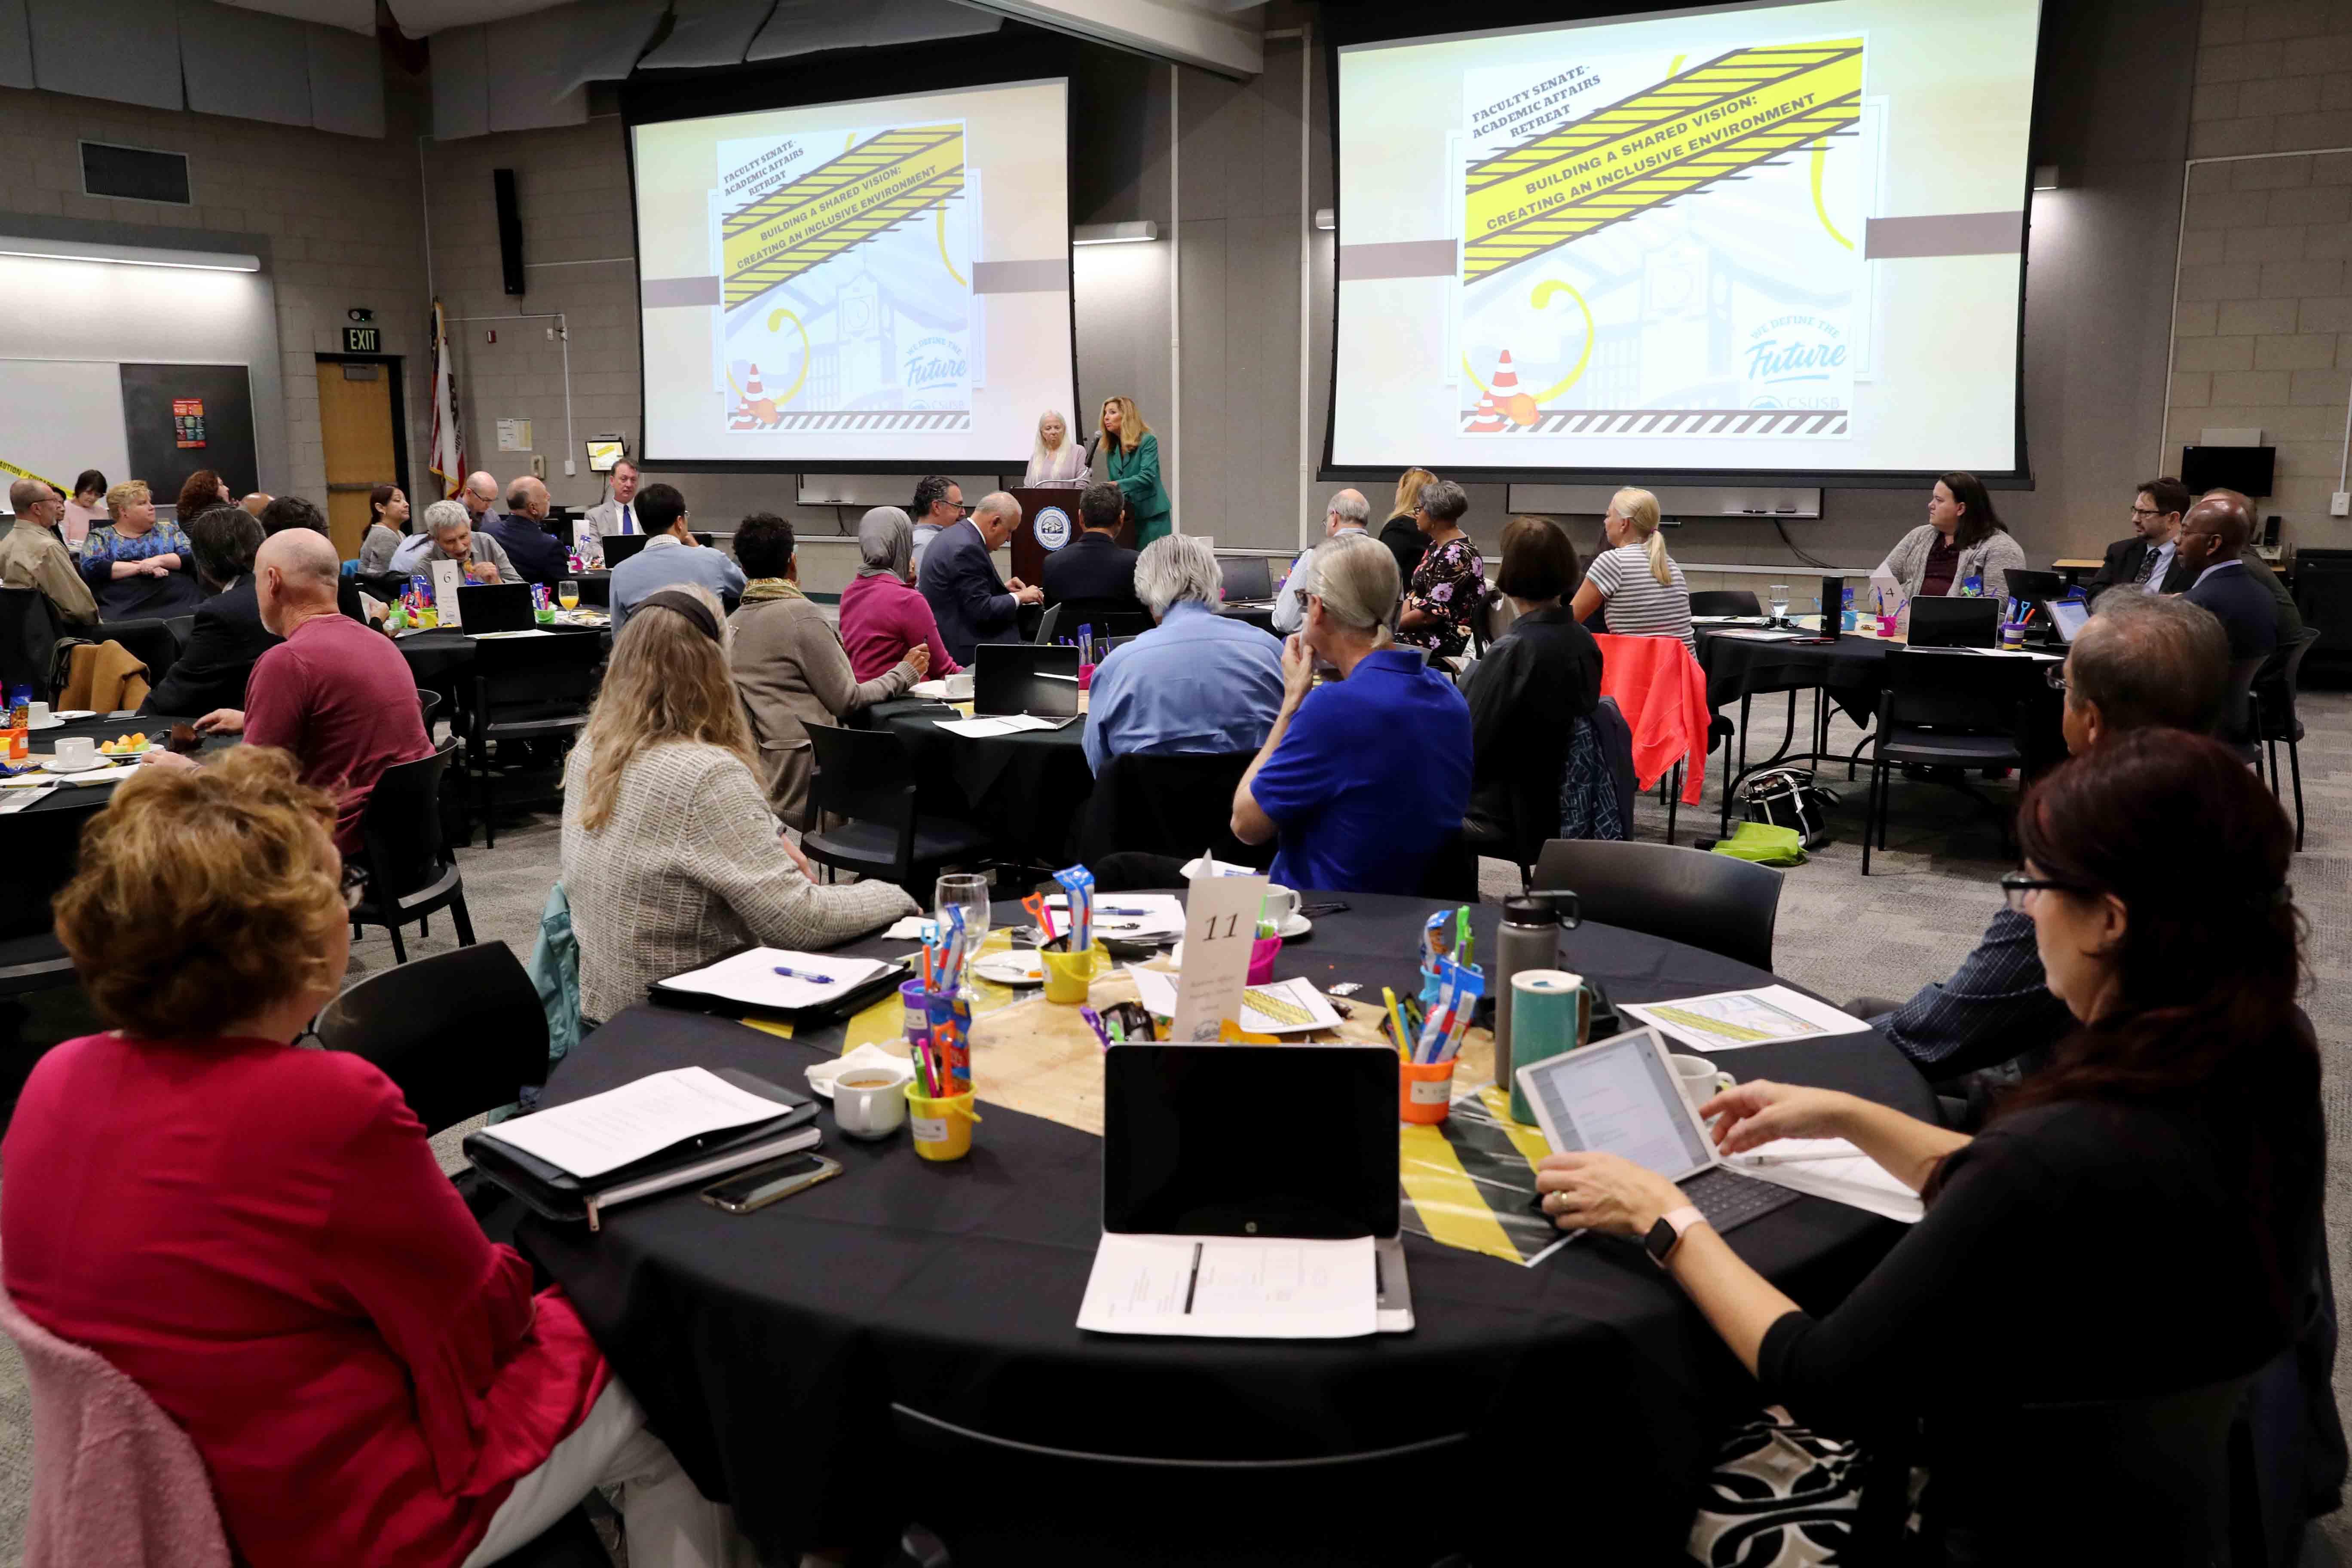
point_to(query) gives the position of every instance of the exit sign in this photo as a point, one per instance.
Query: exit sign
(363, 340)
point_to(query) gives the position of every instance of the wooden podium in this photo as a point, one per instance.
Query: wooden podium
(1029, 550)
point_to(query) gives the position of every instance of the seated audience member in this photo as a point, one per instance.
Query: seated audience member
(938, 507)
(2212, 537)
(1362, 779)
(616, 513)
(227, 638)
(790, 667)
(1527, 691)
(972, 603)
(449, 535)
(2186, 1104)
(32, 556)
(1196, 681)
(2142, 662)
(672, 558)
(335, 693)
(2149, 560)
(1448, 588)
(1963, 538)
(1402, 532)
(260, 1236)
(85, 511)
(538, 555)
(203, 491)
(884, 616)
(257, 502)
(1347, 512)
(387, 530)
(479, 496)
(670, 857)
(1094, 569)
(293, 511)
(135, 565)
(1633, 582)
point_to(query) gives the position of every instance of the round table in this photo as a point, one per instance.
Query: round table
(1028, 788)
(40, 844)
(768, 1348)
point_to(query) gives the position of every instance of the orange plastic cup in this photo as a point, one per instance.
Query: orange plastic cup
(1425, 1091)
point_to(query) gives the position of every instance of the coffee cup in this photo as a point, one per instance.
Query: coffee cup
(1281, 905)
(76, 752)
(959, 686)
(37, 714)
(1700, 1079)
(870, 1102)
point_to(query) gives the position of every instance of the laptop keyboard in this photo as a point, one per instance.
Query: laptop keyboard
(1729, 1199)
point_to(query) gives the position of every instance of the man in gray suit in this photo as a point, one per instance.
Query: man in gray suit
(617, 514)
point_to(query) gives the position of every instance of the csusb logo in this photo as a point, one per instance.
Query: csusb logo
(934, 365)
(1051, 528)
(1796, 361)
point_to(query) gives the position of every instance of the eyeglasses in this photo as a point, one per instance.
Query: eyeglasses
(2056, 676)
(2145, 512)
(2017, 884)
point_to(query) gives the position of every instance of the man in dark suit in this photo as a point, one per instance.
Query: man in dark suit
(535, 552)
(2150, 559)
(1095, 568)
(971, 604)
(2211, 537)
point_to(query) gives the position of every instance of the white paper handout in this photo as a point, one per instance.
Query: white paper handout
(605, 1132)
(1137, 916)
(1231, 1287)
(1832, 1168)
(1279, 1007)
(751, 977)
(1219, 929)
(1729, 1019)
(447, 576)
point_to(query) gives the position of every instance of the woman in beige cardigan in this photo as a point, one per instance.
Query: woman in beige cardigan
(790, 666)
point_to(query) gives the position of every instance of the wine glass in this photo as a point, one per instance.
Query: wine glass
(1779, 604)
(968, 891)
(567, 594)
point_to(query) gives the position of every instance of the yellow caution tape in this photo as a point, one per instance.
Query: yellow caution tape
(875, 185)
(9, 467)
(1470, 1179)
(1738, 110)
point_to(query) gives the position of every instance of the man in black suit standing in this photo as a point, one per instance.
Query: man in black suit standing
(2150, 559)
(2211, 536)
(971, 604)
(1095, 568)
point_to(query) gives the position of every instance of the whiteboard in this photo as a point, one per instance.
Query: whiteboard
(60, 416)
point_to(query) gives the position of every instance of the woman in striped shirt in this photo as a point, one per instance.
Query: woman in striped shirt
(1642, 589)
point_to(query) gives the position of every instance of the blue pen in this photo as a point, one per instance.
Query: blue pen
(804, 974)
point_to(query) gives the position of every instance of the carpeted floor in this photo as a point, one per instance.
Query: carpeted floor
(1928, 896)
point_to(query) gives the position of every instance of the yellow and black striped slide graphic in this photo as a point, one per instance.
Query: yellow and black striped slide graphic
(1470, 1180)
(8, 468)
(875, 185)
(1734, 112)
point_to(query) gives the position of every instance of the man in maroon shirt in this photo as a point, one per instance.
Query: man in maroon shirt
(335, 693)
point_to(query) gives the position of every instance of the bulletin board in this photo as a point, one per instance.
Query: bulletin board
(182, 417)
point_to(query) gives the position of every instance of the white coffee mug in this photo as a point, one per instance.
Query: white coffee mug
(870, 1102)
(1700, 1079)
(77, 750)
(1281, 904)
(959, 686)
(37, 714)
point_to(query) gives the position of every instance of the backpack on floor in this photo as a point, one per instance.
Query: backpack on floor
(1788, 797)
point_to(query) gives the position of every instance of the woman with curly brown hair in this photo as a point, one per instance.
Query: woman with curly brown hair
(260, 1237)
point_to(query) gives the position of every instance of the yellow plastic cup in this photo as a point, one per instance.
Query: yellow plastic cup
(942, 1127)
(1068, 975)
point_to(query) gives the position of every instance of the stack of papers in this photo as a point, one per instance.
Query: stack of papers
(1279, 1007)
(1730, 620)
(1730, 1019)
(1137, 917)
(2010, 653)
(1763, 635)
(752, 978)
(635, 1122)
(1834, 1169)
(1012, 724)
(18, 799)
(1222, 1288)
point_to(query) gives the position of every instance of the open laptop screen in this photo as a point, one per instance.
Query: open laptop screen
(1619, 1097)
(1025, 677)
(1197, 1140)
(1246, 577)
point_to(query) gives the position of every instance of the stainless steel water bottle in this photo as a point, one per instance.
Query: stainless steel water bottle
(1529, 938)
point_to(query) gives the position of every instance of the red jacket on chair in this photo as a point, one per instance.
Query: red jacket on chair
(1660, 688)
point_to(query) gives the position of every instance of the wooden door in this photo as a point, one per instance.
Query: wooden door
(356, 423)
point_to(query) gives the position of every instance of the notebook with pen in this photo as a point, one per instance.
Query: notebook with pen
(1217, 1225)
(774, 982)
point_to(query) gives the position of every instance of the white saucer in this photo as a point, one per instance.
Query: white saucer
(51, 723)
(1017, 966)
(1297, 926)
(51, 765)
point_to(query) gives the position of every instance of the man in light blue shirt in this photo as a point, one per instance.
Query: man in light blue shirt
(1349, 512)
(671, 558)
(1195, 683)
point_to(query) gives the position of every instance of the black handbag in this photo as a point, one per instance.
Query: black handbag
(1788, 797)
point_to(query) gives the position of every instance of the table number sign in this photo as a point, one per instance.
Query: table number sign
(447, 577)
(1220, 927)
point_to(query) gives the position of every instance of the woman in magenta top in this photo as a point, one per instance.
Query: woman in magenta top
(259, 1236)
(882, 613)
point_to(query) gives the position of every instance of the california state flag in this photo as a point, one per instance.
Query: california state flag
(448, 459)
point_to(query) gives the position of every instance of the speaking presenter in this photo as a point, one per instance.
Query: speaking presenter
(1126, 454)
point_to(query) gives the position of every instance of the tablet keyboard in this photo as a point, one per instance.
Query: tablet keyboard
(1729, 1199)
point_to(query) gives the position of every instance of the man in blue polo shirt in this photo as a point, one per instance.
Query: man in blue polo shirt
(1364, 779)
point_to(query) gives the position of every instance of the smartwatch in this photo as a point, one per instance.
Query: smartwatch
(1667, 1234)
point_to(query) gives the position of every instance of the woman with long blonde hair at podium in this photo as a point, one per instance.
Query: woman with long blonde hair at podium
(1056, 459)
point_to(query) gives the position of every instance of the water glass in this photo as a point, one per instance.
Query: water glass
(966, 891)
(1780, 601)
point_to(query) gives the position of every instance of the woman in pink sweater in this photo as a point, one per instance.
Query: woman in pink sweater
(882, 613)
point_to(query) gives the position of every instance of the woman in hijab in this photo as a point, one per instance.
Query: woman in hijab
(882, 615)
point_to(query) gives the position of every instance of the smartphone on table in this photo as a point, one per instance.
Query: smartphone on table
(761, 1186)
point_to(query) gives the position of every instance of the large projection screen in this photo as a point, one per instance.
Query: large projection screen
(1755, 241)
(876, 285)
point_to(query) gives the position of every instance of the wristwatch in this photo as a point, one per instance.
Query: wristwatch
(1667, 1234)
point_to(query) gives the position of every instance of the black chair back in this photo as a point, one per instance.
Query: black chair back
(460, 1032)
(864, 775)
(1945, 690)
(1712, 901)
(182, 627)
(1937, 622)
(1725, 602)
(28, 641)
(535, 677)
(1451, 871)
(2238, 707)
(428, 704)
(401, 829)
(1172, 805)
(2277, 686)
(150, 641)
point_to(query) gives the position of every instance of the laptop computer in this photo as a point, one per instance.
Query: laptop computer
(1939, 621)
(1620, 1096)
(1249, 581)
(619, 547)
(1191, 1164)
(1025, 677)
(496, 607)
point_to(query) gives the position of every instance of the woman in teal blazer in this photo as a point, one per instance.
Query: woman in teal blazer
(1130, 459)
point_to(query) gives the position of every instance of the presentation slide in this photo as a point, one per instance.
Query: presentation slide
(1765, 240)
(854, 285)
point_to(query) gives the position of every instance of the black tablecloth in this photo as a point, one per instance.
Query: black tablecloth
(1029, 789)
(40, 844)
(1848, 669)
(768, 1347)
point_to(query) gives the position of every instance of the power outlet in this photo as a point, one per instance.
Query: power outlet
(538, 466)
(2340, 504)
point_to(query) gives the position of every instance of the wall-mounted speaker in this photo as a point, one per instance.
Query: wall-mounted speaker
(503, 186)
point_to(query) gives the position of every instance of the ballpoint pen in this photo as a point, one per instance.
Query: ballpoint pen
(805, 975)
